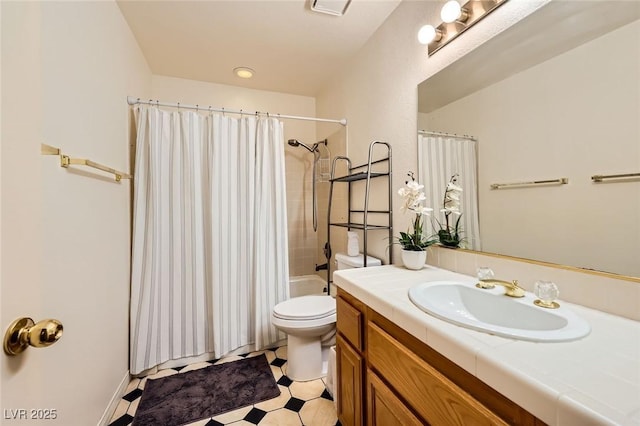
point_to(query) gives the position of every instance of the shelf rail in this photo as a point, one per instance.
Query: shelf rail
(600, 178)
(66, 161)
(561, 181)
(350, 178)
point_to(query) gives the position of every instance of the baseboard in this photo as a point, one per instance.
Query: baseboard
(115, 400)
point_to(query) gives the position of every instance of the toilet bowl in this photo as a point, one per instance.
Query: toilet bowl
(310, 325)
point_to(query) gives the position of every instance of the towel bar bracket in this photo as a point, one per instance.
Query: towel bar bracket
(66, 161)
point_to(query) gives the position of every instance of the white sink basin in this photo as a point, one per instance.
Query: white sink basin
(492, 312)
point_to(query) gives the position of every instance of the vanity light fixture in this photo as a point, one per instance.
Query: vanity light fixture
(243, 72)
(456, 20)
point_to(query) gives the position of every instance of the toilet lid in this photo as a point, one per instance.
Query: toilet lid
(306, 308)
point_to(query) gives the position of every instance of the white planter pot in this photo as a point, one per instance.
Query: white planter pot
(414, 259)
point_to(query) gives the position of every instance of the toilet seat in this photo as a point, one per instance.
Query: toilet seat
(306, 308)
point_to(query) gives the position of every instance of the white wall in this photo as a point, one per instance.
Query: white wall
(377, 90)
(66, 71)
(563, 118)
(303, 253)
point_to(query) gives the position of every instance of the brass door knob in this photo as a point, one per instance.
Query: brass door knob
(24, 332)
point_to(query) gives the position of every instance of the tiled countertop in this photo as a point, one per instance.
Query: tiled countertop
(594, 380)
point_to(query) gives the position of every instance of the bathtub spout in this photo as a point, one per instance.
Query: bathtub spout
(321, 267)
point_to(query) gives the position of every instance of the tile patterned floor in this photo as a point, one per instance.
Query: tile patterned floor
(299, 403)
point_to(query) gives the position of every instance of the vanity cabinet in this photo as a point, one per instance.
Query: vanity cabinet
(388, 377)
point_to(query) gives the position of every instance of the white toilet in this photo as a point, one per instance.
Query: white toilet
(310, 324)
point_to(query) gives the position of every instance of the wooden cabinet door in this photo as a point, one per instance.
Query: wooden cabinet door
(384, 408)
(350, 395)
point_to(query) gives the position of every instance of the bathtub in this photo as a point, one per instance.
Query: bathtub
(304, 285)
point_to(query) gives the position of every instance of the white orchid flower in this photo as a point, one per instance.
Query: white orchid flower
(453, 196)
(448, 202)
(414, 201)
(453, 187)
(454, 210)
(412, 197)
(419, 197)
(414, 186)
(408, 204)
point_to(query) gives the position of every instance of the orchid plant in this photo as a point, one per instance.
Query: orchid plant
(450, 234)
(412, 194)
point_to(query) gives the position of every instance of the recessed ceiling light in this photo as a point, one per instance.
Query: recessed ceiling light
(243, 72)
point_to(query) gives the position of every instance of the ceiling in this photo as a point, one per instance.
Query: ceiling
(291, 48)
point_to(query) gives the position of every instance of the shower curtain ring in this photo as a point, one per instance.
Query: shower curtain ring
(196, 107)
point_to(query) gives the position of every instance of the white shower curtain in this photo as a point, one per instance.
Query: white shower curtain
(210, 251)
(440, 157)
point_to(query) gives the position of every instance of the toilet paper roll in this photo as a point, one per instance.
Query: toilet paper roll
(353, 246)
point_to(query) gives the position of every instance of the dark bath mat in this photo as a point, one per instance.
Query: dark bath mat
(187, 397)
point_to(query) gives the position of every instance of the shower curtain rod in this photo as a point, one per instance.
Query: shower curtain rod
(133, 101)
(429, 132)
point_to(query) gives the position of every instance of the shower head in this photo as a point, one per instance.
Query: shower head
(295, 142)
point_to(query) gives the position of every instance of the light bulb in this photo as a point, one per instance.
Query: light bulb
(451, 11)
(427, 34)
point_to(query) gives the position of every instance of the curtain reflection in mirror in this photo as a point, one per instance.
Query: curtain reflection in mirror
(441, 156)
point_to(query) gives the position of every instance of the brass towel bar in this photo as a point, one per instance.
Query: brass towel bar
(66, 161)
(561, 181)
(600, 178)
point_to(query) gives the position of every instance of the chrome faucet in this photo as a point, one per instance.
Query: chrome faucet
(512, 289)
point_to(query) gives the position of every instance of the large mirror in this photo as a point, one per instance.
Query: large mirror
(556, 96)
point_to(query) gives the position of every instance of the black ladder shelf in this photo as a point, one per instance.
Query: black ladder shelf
(355, 174)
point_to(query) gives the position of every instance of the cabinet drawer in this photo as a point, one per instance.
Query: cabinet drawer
(430, 394)
(349, 323)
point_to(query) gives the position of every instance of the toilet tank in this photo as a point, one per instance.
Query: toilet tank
(348, 262)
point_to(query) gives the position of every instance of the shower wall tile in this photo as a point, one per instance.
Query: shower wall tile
(296, 242)
(301, 265)
(306, 246)
(302, 239)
